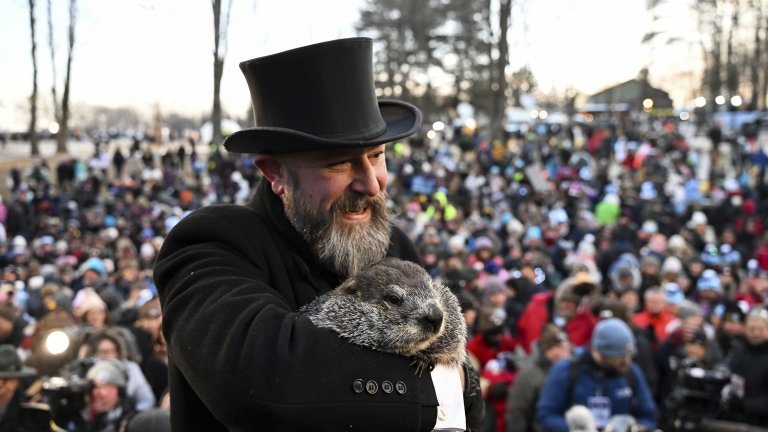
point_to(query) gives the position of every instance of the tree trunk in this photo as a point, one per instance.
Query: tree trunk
(756, 59)
(764, 75)
(63, 135)
(499, 81)
(731, 73)
(54, 80)
(33, 142)
(219, 53)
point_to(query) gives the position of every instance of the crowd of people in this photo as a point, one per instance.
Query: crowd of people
(564, 248)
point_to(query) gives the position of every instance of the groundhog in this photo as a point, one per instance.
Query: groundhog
(396, 307)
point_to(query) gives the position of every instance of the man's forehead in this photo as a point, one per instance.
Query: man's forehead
(332, 154)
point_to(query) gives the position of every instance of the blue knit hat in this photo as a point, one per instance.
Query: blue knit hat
(96, 265)
(674, 293)
(709, 280)
(613, 338)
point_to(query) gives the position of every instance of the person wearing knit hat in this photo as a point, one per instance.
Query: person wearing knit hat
(89, 308)
(495, 292)
(671, 268)
(108, 372)
(674, 296)
(677, 246)
(613, 344)
(709, 280)
(114, 344)
(709, 291)
(92, 272)
(604, 379)
(107, 407)
(553, 337)
(524, 393)
(485, 259)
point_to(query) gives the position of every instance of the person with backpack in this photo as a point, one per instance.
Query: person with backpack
(603, 379)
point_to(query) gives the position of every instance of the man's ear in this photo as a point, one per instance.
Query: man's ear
(274, 171)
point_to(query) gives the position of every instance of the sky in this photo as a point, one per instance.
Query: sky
(158, 53)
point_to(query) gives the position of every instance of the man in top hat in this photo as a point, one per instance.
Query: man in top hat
(231, 278)
(15, 414)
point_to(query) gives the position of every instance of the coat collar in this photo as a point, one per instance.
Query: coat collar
(269, 205)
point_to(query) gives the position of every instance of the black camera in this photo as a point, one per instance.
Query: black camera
(696, 396)
(65, 393)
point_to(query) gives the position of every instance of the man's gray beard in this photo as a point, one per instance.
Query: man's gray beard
(346, 247)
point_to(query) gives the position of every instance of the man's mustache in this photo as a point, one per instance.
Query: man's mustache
(347, 204)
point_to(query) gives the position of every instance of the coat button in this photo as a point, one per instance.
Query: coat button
(371, 387)
(387, 387)
(400, 387)
(358, 385)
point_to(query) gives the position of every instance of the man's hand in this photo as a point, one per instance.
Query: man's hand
(474, 408)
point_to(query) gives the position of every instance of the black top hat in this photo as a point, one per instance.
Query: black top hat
(320, 96)
(10, 364)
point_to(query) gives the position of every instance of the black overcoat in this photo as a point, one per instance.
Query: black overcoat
(231, 279)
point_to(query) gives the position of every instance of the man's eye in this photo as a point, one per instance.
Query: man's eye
(338, 164)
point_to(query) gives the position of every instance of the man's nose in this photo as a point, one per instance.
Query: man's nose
(365, 181)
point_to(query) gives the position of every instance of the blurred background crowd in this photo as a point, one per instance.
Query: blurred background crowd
(541, 235)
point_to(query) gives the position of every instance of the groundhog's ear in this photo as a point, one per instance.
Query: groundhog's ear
(350, 289)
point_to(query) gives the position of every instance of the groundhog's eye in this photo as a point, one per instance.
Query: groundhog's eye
(393, 299)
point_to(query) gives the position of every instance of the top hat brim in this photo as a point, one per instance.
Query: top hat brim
(401, 119)
(25, 372)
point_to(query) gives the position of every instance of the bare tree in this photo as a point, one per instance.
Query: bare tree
(33, 141)
(63, 134)
(731, 68)
(220, 28)
(52, 47)
(757, 96)
(499, 82)
(468, 43)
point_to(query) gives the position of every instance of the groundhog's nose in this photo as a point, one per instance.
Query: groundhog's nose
(433, 318)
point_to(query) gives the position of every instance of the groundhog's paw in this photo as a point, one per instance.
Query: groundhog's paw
(422, 364)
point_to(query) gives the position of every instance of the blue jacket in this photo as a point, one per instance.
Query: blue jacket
(591, 381)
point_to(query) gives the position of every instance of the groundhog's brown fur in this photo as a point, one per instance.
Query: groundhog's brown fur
(395, 306)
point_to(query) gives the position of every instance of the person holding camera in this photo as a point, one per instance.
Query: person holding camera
(109, 344)
(107, 408)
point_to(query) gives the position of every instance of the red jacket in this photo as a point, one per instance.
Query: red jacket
(537, 314)
(658, 322)
(484, 353)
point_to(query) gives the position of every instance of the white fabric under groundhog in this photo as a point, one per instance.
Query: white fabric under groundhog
(450, 413)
